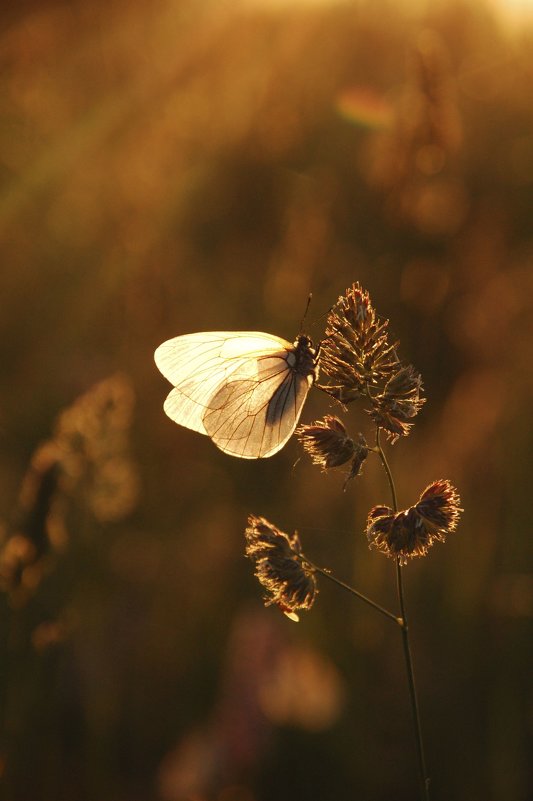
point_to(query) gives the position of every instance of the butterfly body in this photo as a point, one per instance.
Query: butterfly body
(244, 389)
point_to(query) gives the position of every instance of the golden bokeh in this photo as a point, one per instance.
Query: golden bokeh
(190, 165)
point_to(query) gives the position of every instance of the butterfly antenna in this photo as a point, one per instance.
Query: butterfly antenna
(305, 312)
(324, 314)
(320, 316)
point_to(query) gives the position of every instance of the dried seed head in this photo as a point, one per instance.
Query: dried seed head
(379, 526)
(412, 532)
(399, 535)
(328, 445)
(360, 454)
(361, 362)
(327, 442)
(399, 402)
(355, 352)
(265, 541)
(289, 582)
(439, 508)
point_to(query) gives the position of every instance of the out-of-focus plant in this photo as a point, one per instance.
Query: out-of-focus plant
(360, 363)
(84, 470)
(79, 481)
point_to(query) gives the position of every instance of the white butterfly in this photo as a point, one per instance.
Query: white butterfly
(244, 389)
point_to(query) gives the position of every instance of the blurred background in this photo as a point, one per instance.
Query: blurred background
(184, 165)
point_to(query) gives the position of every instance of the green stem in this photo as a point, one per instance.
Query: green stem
(353, 591)
(419, 742)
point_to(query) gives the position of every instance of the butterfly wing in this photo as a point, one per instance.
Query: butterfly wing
(236, 387)
(197, 364)
(254, 417)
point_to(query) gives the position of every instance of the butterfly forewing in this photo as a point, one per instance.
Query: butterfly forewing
(240, 388)
(198, 364)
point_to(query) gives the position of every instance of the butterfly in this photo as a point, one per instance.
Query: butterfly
(244, 389)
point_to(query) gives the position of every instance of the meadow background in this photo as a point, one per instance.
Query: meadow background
(185, 165)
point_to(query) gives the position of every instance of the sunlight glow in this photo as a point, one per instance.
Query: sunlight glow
(509, 11)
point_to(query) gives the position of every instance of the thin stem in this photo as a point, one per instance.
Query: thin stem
(422, 771)
(353, 591)
(419, 742)
(387, 469)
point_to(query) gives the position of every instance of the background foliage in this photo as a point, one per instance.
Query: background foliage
(170, 167)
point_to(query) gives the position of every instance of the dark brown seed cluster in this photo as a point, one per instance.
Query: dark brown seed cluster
(399, 402)
(355, 352)
(360, 362)
(290, 583)
(328, 444)
(412, 532)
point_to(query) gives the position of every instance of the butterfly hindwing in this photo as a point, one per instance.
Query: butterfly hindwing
(255, 418)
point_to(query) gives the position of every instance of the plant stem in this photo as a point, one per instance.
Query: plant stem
(419, 742)
(422, 772)
(353, 591)
(387, 469)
